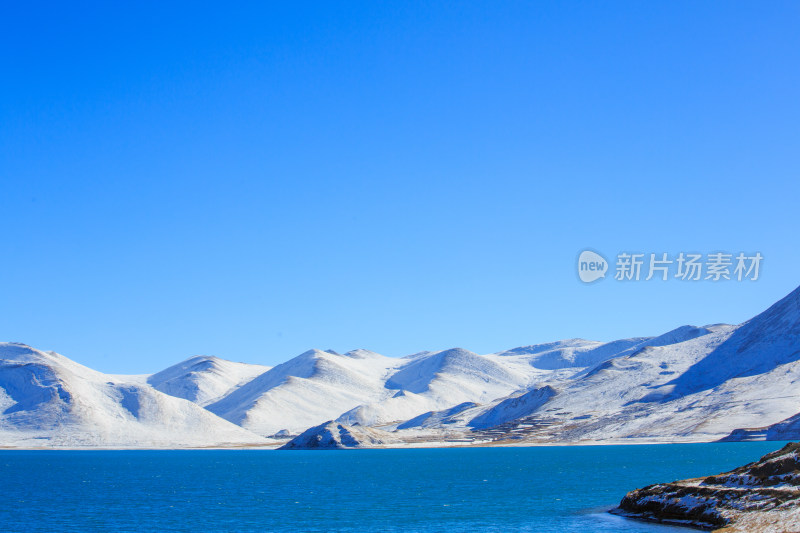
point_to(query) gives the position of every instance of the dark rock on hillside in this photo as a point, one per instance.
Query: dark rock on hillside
(334, 436)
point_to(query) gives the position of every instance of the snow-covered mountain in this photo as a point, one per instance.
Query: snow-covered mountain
(439, 380)
(689, 384)
(204, 379)
(49, 400)
(314, 387)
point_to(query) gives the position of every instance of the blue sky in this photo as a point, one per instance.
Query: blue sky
(252, 181)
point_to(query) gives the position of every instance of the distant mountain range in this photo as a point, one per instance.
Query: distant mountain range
(689, 384)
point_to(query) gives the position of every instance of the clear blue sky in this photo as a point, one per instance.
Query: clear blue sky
(253, 181)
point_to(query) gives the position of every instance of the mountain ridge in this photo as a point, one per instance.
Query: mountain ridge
(688, 384)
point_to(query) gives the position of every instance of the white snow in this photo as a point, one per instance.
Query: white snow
(312, 388)
(49, 400)
(204, 379)
(689, 384)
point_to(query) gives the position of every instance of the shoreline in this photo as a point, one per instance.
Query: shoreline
(760, 497)
(413, 446)
(687, 524)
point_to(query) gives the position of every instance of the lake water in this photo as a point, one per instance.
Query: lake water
(542, 489)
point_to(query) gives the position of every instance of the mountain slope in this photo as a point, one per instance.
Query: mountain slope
(689, 384)
(571, 353)
(204, 379)
(700, 388)
(49, 400)
(761, 344)
(439, 380)
(514, 408)
(312, 388)
(580, 353)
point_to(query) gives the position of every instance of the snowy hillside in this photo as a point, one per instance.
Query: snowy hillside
(204, 379)
(580, 353)
(689, 384)
(439, 380)
(312, 388)
(692, 384)
(49, 400)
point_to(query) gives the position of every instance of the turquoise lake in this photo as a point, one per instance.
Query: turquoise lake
(541, 489)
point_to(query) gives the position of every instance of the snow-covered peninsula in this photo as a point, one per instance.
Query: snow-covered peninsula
(761, 497)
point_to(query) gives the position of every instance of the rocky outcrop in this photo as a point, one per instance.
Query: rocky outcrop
(334, 436)
(763, 496)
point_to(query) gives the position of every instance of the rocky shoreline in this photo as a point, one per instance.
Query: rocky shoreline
(761, 497)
